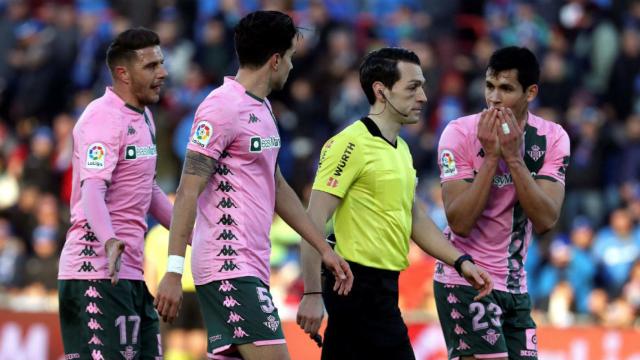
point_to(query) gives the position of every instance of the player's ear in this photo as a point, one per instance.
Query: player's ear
(378, 91)
(532, 92)
(274, 61)
(122, 74)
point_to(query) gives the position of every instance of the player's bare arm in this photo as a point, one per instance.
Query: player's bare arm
(430, 239)
(464, 201)
(290, 209)
(311, 310)
(541, 199)
(195, 174)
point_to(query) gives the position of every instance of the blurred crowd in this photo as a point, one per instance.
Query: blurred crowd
(52, 64)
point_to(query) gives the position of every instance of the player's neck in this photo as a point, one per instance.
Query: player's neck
(254, 81)
(125, 94)
(388, 126)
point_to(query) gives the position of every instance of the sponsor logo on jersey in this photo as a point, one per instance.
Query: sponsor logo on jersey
(346, 154)
(133, 152)
(258, 144)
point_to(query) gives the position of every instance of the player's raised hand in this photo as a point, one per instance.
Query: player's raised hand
(169, 297)
(488, 132)
(310, 313)
(340, 269)
(510, 135)
(114, 249)
(478, 278)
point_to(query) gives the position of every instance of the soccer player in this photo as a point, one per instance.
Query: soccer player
(231, 161)
(502, 174)
(106, 311)
(366, 180)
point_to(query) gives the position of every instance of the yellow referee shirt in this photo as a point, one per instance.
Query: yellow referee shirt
(376, 182)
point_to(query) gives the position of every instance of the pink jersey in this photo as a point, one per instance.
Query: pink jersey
(500, 239)
(235, 210)
(114, 142)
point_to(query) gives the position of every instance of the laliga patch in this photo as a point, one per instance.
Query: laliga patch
(448, 163)
(202, 134)
(96, 155)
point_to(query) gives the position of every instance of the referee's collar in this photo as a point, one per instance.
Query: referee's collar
(375, 130)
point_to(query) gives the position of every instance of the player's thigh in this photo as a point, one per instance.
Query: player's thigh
(264, 352)
(520, 329)
(239, 311)
(470, 327)
(99, 320)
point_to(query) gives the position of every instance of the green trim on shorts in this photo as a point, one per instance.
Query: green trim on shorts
(239, 311)
(499, 324)
(99, 320)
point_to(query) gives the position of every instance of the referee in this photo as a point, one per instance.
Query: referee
(366, 180)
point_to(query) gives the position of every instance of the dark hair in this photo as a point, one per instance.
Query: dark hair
(127, 42)
(518, 58)
(261, 34)
(382, 65)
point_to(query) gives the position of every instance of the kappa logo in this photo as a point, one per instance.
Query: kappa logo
(462, 346)
(227, 250)
(239, 333)
(225, 186)
(439, 268)
(95, 340)
(88, 251)
(225, 154)
(228, 265)
(89, 236)
(230, 302)
(535, 153)
(459, 330)
(455, 315)
(223, 170)
(92, 308)
(448, 163)
(227, 235)
(96, 355)
(234, 318)
(258, 144)
(253, 118)
(226, 286)
(272, 323)
(346, 154)
(87, 266)
(202, 134)
(452, 299)
(491, 337)
(96, 156)
(226, 219)
(133, 152)
(481, 153)
(226, 203)
(131, 130)
(93, 324)
(92, 292)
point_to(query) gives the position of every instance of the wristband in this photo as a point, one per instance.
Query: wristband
(175, 264)
(458, 264)
(312, 293)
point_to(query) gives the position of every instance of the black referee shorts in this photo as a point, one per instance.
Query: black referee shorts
(366, 324)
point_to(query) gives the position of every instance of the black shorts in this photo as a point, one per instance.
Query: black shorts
(366, 324)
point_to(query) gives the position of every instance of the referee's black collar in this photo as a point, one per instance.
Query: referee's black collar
(375, 130)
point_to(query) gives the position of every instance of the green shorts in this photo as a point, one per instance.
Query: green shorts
(498, 325)
(238, 311)
(102, 321)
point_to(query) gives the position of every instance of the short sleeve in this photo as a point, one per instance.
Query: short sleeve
(341, 161)
(98, 142)
(453, 159)
(213, 129)
(557, 160)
